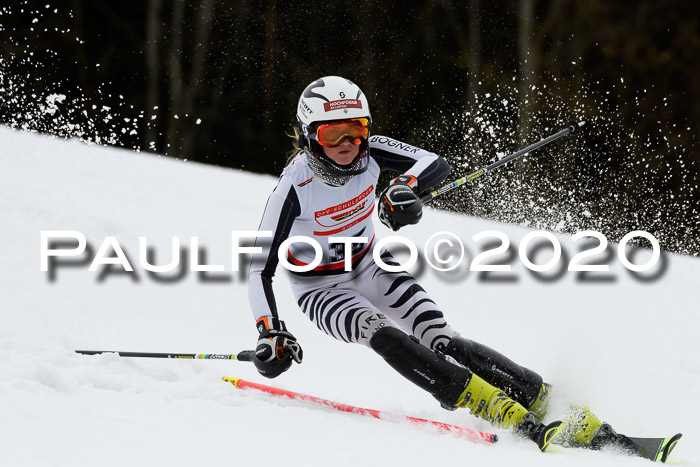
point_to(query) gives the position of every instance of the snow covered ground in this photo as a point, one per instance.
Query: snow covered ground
(624, 345)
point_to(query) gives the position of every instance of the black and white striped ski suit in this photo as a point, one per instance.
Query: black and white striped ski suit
(348, 305)
(353, 310)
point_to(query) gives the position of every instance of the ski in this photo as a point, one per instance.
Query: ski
(462, 432)
(655, 449)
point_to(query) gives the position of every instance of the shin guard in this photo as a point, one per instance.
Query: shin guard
(420, 365)
(518, 382)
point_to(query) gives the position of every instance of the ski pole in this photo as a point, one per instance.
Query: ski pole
(468, 433)
(243, 356)
(572, 128)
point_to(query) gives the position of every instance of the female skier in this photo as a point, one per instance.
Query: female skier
(327, 190)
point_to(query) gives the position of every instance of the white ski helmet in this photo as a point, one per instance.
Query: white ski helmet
(327, 100)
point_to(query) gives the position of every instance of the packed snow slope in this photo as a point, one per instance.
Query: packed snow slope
(624, 344)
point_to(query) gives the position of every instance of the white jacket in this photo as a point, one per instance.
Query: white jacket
(302, 205)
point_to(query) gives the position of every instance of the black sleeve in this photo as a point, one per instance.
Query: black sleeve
(390, 154)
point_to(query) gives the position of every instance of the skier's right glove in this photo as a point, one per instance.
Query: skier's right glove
(276, 348)
(399, 203)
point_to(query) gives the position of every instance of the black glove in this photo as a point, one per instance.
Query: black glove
(399, 204)
(276, 348)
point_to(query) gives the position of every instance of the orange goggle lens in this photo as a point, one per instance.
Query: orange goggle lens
(332, 134)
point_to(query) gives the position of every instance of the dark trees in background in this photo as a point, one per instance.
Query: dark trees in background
(217, 82)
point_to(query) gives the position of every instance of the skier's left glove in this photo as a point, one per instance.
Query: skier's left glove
(399, 204)
(276, 348)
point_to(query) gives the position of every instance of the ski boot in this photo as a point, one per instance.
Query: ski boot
(585, 430)
(490, 403)
(539, 407)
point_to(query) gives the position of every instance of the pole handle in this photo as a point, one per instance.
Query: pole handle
(245, 355)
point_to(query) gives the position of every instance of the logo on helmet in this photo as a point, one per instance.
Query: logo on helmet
(342, 104)
(304, 109)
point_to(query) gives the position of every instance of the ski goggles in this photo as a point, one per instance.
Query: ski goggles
(332, 134)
